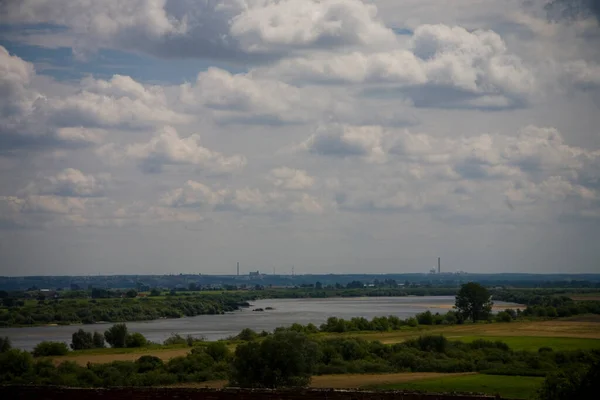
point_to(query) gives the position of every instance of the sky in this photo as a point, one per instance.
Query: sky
(332, 136)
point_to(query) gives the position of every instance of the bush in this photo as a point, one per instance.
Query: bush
(247, 335)
(82, 340)
(45, 349)
(14, 363)
(503, 316)
(116, 335)
(5, 344)
(425, 318)
(174, 339)
(218, 351)
(136, 340)
(148, 363)
(284, 359)
(98, 340)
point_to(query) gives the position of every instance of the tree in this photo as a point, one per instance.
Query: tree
(155, 292)
(572, 383)
(136, 340)
(318, 286)
(116, 335)
(98, 340)
(131, 293)
(474, 301)
(82, 340)
(284, 359)
(5, 344)
(44, 349)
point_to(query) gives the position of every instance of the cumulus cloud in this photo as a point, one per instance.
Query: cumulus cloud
(292, 179)
(442, 176)
(167, 148)
(33, 119)
(444, 67)
(243, 99)
(244, 200)
(70, 182)
(346, 141)
(258, 29)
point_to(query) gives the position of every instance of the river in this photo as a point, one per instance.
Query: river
(285, 313)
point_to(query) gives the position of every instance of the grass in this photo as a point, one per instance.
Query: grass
(533, 343)
(515, 387)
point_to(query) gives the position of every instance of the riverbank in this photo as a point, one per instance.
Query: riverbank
(285, 313)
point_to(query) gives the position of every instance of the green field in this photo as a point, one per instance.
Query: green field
(513, 387)
(533, 343)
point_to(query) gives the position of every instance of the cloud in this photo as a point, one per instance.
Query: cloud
(167, 148)
(70, 182)
(292, 179)
(346, 141)
(259, 29)
(444, 67)
(244, 200)
(118, 102)
(240, 98)
(30, 118)
(467, 176)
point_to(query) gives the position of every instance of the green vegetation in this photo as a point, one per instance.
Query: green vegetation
(514, 387)
(45, 349)
(284, 359)
(534, 343)
(581, 382)
(474, 302)
(89, 311)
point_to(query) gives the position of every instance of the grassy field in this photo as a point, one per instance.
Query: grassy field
(533, 343)
(514, 387)
(557, 334)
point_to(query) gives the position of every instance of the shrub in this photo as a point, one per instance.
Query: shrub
(136, 340)
(44, 349)
(283, 359)
(14, 363)
(218, 351)
(82, 340)
(148, 363)
(5, 344)
(503, 316)
(98, 339)
(247, 335)
(175, 338)
(425, 318)
(116, 335)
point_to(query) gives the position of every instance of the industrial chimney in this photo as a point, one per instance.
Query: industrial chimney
(439, 265)
(238, 269)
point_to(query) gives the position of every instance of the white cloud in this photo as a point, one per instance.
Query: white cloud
(167, 148)
(212, 29)
(346, 141)
(244, 200)
(70, 182)
(292, 179)
(32, 119)
(443, 66)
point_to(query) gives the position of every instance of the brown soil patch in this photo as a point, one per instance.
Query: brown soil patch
(83, 359)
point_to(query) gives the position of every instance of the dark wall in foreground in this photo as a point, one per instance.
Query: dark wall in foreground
(56, 393)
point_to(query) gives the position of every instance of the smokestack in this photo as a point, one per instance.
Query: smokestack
(439, 265)
(238, 269)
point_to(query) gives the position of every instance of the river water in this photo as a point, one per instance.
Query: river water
(285, 313)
